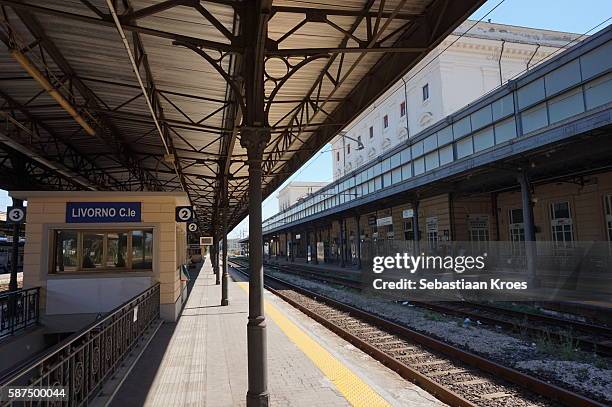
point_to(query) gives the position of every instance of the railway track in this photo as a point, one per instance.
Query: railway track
(455, 376)
(586, 336)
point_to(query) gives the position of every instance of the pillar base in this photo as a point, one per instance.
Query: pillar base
(224, 302)
(257, 400)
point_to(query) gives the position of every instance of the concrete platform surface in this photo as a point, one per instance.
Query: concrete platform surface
(201, 359)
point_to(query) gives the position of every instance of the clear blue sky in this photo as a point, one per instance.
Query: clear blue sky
(561, 15)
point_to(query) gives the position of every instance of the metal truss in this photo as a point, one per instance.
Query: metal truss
(211, 173)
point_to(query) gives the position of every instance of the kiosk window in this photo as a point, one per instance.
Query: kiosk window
(88, 250)
(142, 250)
(117, 249)
(93, 250)
(66, 247)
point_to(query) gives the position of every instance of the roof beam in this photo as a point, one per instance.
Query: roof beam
(296, 52)
(96, 175)
(123, 151)
(198, 42)
(325, 12)
(383, 74)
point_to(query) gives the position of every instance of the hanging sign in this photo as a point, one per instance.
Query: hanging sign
(478, 221)
(102, 212)
(408, 213)
(183, 213)
(15, 214)
(386, 221)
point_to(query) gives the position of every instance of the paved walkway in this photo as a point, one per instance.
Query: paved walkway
(201, 359)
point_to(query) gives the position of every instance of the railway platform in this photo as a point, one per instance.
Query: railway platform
(200, 359)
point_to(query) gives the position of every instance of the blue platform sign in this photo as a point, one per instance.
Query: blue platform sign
(102, 212)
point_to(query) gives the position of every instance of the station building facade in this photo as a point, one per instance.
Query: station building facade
(462, 68)
(297, 190)
(528, 161)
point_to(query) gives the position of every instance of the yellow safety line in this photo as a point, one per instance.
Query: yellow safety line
(354, 390)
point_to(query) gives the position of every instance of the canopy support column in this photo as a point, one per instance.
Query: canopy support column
(13, 286)
(530, 248)
(214, 254)
(358, 241)
(257, 395)
(225, 275)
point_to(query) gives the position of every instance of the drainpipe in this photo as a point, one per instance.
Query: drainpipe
(533, 55)
(406, 102)
(501, 81)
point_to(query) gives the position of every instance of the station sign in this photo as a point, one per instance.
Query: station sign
(15, 214)
(386, 221)
(478, 221)
(103, 212)
(183, 213)
(408, 213)
(192, 227)
(372, 220)
(206, 240)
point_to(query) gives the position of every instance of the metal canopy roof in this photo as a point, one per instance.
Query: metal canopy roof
(74, 115)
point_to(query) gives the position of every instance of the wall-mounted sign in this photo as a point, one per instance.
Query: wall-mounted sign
(15, 214)
(478, 221)
(386, 221)
(183, 213)
(192, 227)
(432, 223)
(372, 220)
(560, 221)
(102, 212)
(298, 236)
(408, 213)
(206, 240)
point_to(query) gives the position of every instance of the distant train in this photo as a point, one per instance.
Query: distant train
(6, 249)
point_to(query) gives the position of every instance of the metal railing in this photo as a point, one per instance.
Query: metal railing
(18, 310)
(83, 362)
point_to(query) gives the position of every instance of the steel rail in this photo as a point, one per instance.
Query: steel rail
(442, 393)
(494, 315)
(525, 381)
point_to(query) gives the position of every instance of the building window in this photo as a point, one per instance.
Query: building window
(517, 230)
(425, 92)
(111, 250)
(402, 109)
(337, 155)
(432, 232)
(385, 121)
(478, 226)
(561, 223)
(371, 132)
(479, 235)
(408, 229)
(348, 149)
